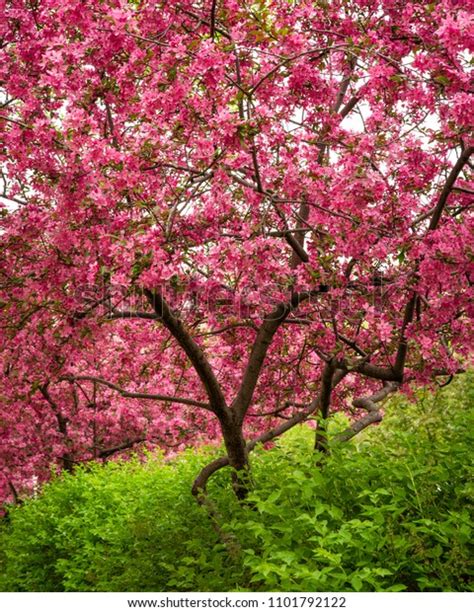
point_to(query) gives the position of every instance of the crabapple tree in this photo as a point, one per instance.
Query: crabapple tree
(222, 218)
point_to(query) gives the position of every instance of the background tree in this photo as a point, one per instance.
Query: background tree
(222, 218)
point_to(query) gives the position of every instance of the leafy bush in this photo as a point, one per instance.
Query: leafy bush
(390, 512)
(119, 526)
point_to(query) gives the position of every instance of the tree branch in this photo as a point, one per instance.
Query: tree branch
(203, 21)
(107, 452)
(213, 18)
(295, 242)
(132, 314)
(276, 411)
(322, 51)
(139, 395)
(349, 106)
(16, 498)
(370, 370)
(260, 347)
(401, 356)
(370, 404)
(194, 352)
(448, 187)
(354, 346)
(303, 212)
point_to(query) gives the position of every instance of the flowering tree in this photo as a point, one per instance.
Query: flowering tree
(221, 218)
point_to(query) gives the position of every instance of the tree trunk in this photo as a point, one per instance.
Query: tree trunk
(324, 401)
(238, 456)
(321, 438)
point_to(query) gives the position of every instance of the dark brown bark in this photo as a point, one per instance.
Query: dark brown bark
(213, 18)
(324, 403)
(199, 486)
(108, 452)
(403, 344)
(371, 371)
(260, 348)
(237, 454)
(448, 187)
(16, 498)
(191, 348)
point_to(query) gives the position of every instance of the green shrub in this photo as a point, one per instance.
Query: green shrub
(391, 511)
(120, 526)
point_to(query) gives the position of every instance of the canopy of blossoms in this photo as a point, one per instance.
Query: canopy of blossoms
(219, 218)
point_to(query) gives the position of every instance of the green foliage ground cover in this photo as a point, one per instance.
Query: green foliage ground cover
(390, 512)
